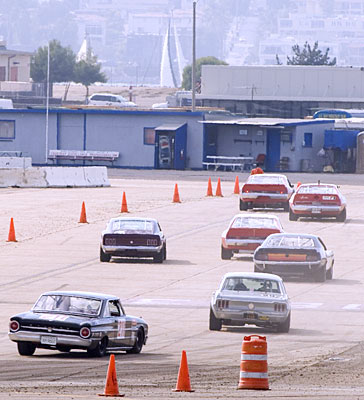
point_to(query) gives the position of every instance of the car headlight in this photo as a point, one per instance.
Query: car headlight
(14, 326)
(85, 332)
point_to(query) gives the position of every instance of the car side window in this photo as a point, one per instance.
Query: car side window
(114, 309)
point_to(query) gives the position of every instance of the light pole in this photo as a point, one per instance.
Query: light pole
(194, 56)
(47, 107)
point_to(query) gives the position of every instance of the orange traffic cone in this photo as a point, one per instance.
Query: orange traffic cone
(218, 188)
(209, 188)
(124, 206)
(176, 195)
(183, 381)
(83, 219)
(11, 236)
(237, 187)
(298, 184)
(111, 386)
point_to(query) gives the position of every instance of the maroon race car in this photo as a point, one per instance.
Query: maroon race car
(246, 232)
(266, 190)
(317, 200)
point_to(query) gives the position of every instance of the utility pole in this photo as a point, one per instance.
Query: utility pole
(194, 57)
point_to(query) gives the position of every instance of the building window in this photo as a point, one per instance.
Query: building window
(149, 136)
(286, 137)
(307, 139)
(7, 130)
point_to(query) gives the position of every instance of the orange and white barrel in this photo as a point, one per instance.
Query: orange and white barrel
(254, 363)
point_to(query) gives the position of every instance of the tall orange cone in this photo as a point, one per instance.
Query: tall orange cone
(83, 219)
(218, 188)
(209, 188)
(124, 205)
(176, 195)
(11, 236)
(237, 187)
(183, 380)
(111, 386)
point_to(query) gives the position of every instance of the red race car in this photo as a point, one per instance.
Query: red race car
(317, 200)
(266, 190)
(246, 232)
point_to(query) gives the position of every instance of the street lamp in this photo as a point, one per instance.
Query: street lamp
(194, 56)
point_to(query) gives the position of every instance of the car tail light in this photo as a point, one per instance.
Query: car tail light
(222, 303)
(279, 307)
(313, 257)
(85, 332)
(261, 256)
(14, 326)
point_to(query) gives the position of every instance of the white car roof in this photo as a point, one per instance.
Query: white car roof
(277, 175)
(132, 219)
(252, 275)
(256, 215)
(319, 184)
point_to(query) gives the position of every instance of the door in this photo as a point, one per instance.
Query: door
(118, 336)
(273, 150)
(14, 74)
(2, 73)
(210, 141)
(180, 147)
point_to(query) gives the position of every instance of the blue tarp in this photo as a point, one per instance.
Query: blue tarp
(340, 139)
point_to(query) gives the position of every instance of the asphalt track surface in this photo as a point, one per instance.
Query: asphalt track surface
(320, 358)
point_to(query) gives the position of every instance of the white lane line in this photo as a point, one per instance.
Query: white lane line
(352, 307)
(310, 306)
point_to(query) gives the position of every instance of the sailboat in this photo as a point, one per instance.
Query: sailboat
(168, 76)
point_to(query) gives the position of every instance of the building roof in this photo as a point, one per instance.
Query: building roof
(270, 122)
(8, 52)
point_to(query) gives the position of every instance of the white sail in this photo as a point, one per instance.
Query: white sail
(182, 62)
(166, 75)
(82, 53)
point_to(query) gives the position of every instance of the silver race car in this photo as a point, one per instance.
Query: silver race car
(77, 320)
(250, 298)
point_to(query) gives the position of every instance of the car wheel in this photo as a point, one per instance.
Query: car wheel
(226, 254)
(320, 274)
(342, 216)
(286, 207)
(243, 206)
(215, 323)
(330, 273)
(138, 345)
(159, 257)
(100, 349)
(284, 326)
(292, 216)
(26, 348)
(104, 257)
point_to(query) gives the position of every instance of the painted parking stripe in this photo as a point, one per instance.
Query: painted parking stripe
(308, 306)
(351, 307)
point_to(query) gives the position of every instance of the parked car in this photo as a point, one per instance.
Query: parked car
(266, 190)
(108, 99)
(250, 298)
(133, 237)
(294, 254)
(246, 232)
(317, 200)
(64, 320)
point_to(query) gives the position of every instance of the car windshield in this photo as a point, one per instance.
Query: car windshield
(133, 226)
(250, 222)
(266, 180)
(290, 241)
(317, 189)
(252, 285)
(68, 304)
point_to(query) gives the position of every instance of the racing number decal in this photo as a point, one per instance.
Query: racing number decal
(121, 329)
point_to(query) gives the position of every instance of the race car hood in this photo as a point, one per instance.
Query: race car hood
(52, 319)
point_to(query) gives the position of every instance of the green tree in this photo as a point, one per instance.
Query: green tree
(88, 71)
(187, 72)
(61, 63)
(309, 56)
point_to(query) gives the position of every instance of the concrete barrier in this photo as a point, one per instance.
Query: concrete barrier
(44, 177)
(15, 162)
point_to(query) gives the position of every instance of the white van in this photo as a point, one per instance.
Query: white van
(6, 103)
(108, 99)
